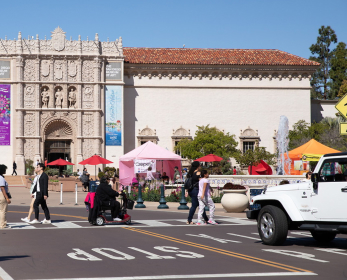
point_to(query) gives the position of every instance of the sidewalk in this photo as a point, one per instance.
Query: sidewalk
(21, 197)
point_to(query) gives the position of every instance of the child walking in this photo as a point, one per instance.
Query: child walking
(204, 197)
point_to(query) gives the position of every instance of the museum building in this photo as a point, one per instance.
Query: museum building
(64, 98)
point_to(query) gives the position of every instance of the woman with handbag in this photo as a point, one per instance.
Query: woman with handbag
(4, 197)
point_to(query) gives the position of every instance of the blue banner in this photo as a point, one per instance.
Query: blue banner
(113, 115)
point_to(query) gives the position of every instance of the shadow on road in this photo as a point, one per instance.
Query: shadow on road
(7, 258)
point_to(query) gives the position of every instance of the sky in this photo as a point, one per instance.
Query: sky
(287, 25)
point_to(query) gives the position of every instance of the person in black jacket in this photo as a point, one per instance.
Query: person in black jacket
(14, 168)
(41, 189)
(107, 197)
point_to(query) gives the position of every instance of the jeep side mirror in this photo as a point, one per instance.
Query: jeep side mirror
(314, 179)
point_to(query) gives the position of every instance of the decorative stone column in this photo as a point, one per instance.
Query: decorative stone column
(20, 160)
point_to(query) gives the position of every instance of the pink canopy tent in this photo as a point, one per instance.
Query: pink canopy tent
(148, 150)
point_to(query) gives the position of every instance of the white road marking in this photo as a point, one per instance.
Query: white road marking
(332, 250)
(65, 225)
(153, 223)
(213, 238)
(135, 224)
(238, 221)
(244, 236)
(295, 254)
(195, 276)
(4, 275)
(21, 226)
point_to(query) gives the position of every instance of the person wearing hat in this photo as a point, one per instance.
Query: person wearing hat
(184, 174)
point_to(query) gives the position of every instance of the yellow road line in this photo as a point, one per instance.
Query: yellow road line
(221, 251)
(78, 217)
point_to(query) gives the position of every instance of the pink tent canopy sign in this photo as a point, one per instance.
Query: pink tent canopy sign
(148, 150)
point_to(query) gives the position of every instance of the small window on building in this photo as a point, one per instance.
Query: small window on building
(177, 151)
(177, 136)
(248, 146)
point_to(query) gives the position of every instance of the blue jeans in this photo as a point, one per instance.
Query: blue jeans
(195, 203)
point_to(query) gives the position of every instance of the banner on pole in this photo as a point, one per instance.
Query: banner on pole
(5, 115)
(141, 165)
(113, 115)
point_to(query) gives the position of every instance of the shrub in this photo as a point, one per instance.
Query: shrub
(101, 174)
(230, 186)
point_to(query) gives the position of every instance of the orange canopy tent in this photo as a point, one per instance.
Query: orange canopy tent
(312, 147)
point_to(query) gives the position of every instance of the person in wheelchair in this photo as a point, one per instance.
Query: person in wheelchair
(107, 197)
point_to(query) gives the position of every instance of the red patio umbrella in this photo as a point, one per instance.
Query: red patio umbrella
(95, 160)
(60, 162)
(210, 158)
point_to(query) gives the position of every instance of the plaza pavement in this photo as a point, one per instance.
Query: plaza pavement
(21, 197)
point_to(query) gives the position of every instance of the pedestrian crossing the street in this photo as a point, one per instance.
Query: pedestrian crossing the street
(135, 223)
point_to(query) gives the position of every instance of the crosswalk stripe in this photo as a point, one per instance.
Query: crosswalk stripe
(135, 223)
(65, 225)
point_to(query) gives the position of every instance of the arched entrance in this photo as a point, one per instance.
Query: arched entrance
(58, 141)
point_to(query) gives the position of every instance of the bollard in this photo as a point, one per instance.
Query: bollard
(76, 194)
(61, 194)
(162, 201)
(183, 202)
(139, 202)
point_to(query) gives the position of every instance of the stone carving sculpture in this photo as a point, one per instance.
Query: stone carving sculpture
(58, 98)
(45, 98)
(72, 98)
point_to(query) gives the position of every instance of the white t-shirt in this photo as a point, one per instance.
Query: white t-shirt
(201, 187)
(3, 183)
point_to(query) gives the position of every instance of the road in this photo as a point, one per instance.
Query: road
(159, 245)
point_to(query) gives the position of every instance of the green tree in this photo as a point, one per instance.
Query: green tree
(343, 89)
(338, 71)
(323, 54)
(253, 158)
(208, 140)
(303, 132)
(327, 132)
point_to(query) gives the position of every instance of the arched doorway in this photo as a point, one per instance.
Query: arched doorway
(58, 141)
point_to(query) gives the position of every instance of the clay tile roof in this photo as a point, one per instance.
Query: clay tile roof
(213, 57)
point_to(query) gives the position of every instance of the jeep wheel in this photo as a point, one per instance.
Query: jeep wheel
(272, 225)
(323, 237)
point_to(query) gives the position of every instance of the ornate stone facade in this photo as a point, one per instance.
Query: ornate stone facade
(57, 93)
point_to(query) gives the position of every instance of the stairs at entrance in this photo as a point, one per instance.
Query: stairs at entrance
(18, 181)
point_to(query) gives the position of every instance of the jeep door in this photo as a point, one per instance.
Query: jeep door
(329, 200)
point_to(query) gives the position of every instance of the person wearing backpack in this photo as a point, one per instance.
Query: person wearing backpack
(192, 185)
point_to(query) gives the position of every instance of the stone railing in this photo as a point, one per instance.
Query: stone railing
(253, 180)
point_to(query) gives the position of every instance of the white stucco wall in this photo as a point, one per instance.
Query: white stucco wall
(233, 105)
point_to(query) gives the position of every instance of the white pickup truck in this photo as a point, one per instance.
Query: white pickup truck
(318, 206)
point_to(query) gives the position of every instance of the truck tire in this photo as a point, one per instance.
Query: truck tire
(323, 237)
(272, 225)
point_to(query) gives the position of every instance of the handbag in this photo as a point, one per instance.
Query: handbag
(9, 195)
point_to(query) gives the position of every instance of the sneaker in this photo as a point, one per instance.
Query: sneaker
(212, 222)
(46, 221)
(117, 219)
(35, 222)
(26, 220)
(200, 223)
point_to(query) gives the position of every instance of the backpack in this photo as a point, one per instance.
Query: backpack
(188, 184)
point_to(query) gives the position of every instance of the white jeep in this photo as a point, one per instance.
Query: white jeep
(318, 206)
